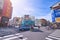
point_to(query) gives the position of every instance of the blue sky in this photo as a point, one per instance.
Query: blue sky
(37, 8)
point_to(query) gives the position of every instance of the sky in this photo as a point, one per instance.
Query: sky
(38, 8)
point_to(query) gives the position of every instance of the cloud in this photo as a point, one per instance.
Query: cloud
(21, 7)
(47, 17)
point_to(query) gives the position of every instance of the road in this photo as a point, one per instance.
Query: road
(40, 34)
(54, 36)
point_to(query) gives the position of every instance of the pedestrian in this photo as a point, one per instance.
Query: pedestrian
(48, 27)
(38, 27)
(54, 26)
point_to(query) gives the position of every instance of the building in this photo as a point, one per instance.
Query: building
(28, 17)
(56, 12)
(37, 22)
(7, 8)
(10, 23)
(32, 18)
(43, 22)
(17, 21)
(5, 12)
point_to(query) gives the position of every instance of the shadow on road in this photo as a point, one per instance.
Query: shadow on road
(37, 30)
(19, 31)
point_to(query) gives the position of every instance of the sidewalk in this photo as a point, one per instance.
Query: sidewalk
(7, 30)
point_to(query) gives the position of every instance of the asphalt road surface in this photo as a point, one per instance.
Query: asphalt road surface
(54, 36)
(12, 34)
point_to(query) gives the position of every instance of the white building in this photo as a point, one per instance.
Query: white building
(32, 18)
(10, 22)
(16, 21)
(37, 22)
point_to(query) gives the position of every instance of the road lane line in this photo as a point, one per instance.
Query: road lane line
(17, 34)
(10, 35)
(13, 37)
(0, 37)
(25, 38)
(48, 38)
(53, 37)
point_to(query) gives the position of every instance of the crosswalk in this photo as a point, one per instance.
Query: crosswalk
(52, 38)
(17, 36)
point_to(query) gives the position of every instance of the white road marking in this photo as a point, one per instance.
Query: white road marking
(10, 35)
(0, 37)
(48, 38)
(53, 37)
(13, 37)
(25, 38)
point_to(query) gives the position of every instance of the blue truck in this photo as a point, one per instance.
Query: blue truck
(27, 25)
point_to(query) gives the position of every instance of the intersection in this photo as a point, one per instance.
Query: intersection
(13, 34)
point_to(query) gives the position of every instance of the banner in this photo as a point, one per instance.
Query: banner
(57, 12)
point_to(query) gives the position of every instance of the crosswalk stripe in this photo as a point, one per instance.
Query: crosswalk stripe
(13, 37)
(53, 37)
(24, 39)
(10, 35)
(48, 38)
